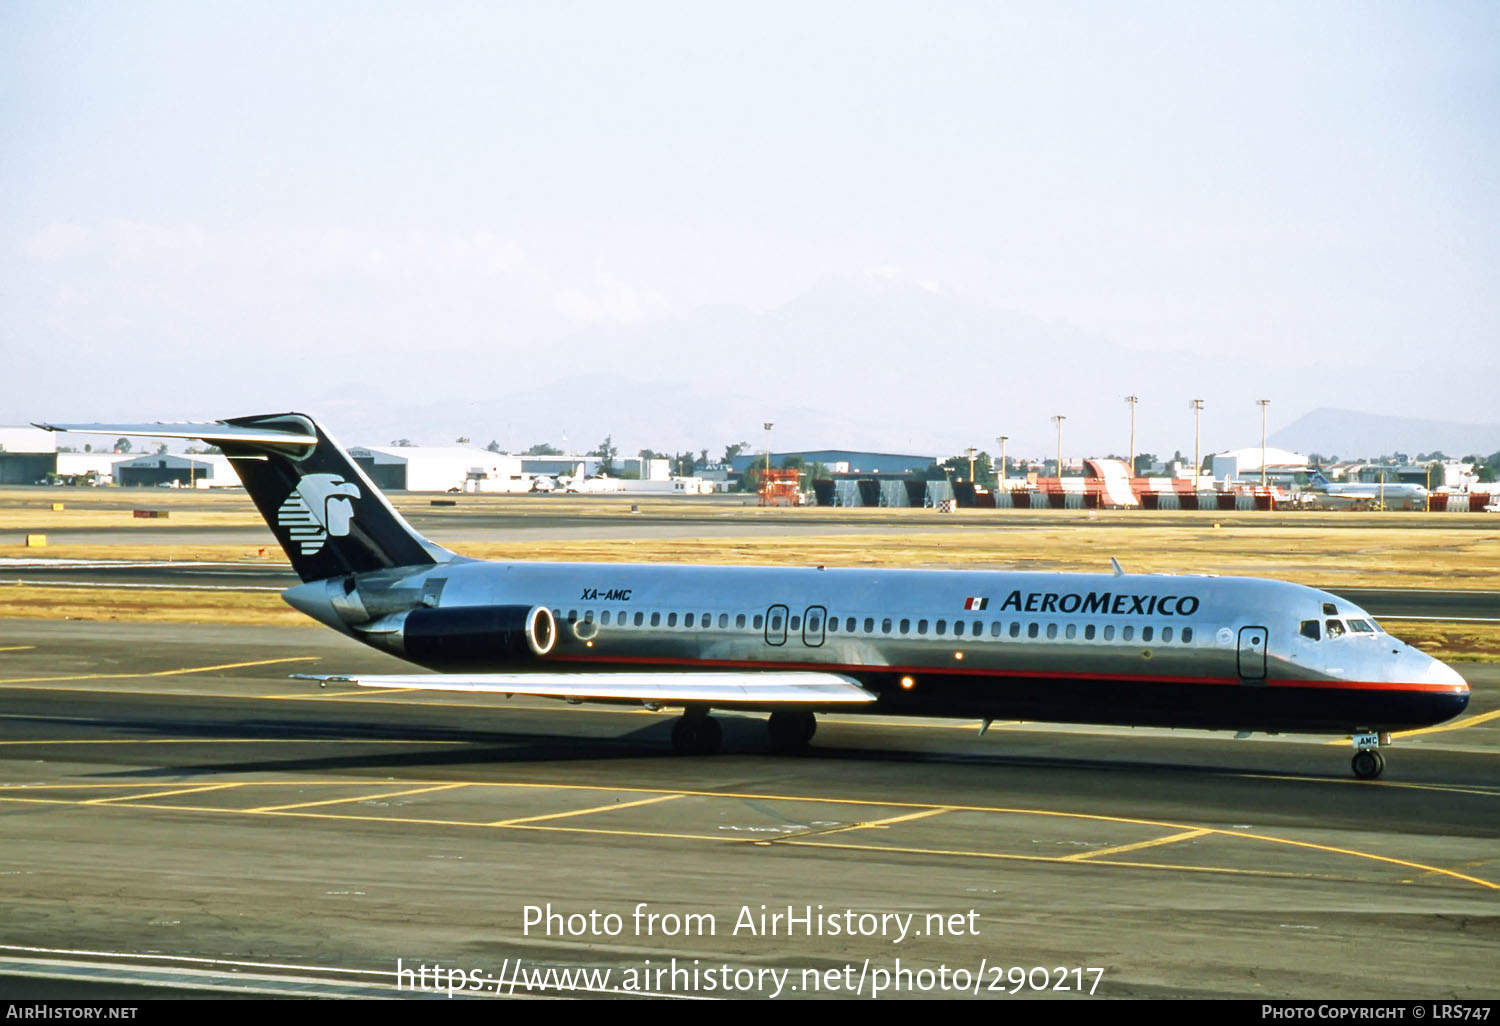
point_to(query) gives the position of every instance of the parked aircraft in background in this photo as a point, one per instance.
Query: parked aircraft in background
(1239, 654)
(1366, 495)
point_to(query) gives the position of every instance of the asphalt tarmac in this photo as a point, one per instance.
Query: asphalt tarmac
(179, 816)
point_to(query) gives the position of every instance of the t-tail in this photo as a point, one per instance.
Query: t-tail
(322, 508)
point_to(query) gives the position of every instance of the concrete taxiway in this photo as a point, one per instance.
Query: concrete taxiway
(178, 814)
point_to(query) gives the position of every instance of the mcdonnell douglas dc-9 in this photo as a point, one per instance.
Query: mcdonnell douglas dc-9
(1239, 654)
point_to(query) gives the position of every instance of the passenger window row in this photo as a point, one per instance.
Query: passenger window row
(905, 626)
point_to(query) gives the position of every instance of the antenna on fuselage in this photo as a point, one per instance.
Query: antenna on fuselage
(1119, 571)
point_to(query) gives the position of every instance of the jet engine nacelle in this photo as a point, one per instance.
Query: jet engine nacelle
(478, 637)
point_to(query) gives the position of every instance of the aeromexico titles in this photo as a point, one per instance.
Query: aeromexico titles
(1241, 654)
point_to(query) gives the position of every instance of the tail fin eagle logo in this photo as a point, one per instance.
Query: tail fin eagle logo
(319, 507)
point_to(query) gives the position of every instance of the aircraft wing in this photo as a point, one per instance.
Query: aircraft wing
(801, 687)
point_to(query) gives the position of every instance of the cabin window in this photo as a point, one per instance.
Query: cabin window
(869, 625)
(640, 618)
(1127, 633)
(978, 628)
(723, 621)
(604, 618)
(1146, 633)
(812, 623)
(995, 629)
(942, 626)
(671, 619)
(776, 624)
(1015, 629)
(656, 619)
(687, 621)
(921, 627)
(588, 616)
(1051, 631)
(739, 621)
(885, 626)
(1088, 632)
(1309, 629)
(1187, 635)
(905, 626)
(1166, 634)
(958, 628)
(1335, 628)
(706, 620)
(1072, 631)
(796, 623)
(757, 621)
(1109, 632)
(1032, 630)
(849, 625)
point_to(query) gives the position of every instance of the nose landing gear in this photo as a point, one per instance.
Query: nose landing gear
(1368, 763)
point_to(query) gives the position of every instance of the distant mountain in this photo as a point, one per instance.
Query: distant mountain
(870, 361)
(1350, 434)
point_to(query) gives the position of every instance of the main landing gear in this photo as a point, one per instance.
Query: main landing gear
(1368, 763)
(698, 733)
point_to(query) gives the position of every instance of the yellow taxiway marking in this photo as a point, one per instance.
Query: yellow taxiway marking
(535, 823)
(583, 812)
(161, 673)
(1483, 790)
(162, 794)
(355, 798)
(874, 824)
(314, 693)
(1443, 728)
(16, 648)
(1186, 835)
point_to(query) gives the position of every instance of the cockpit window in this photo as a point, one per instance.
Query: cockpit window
(1329, 610)
(1361, 627)
(1309, 629)
(1335, 628)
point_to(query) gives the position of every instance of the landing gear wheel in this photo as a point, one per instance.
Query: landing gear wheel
(791, 731)
(1368, 764)
(696, 735)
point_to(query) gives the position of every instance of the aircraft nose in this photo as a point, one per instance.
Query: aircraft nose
(1442, 674)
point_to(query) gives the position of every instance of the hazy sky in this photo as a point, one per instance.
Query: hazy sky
(213, 208)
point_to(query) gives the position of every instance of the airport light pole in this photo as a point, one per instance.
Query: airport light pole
(1197, 412)
(971, 450)
(1058, 419)
(1262, 403)
(1002, 439)
(768, 454)
(1130, 457)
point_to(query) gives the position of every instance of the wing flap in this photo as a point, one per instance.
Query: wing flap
(753, 688)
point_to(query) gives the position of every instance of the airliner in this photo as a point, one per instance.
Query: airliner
(1241, 654)
(1367, 495)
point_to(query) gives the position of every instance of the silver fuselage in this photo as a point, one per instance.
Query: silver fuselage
(1133, 649)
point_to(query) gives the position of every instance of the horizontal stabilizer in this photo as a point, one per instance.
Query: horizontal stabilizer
(215, 432)
(728, 688)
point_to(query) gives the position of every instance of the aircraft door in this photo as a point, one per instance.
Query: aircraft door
(776, 618)
(813, 625)
(1253, 653)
